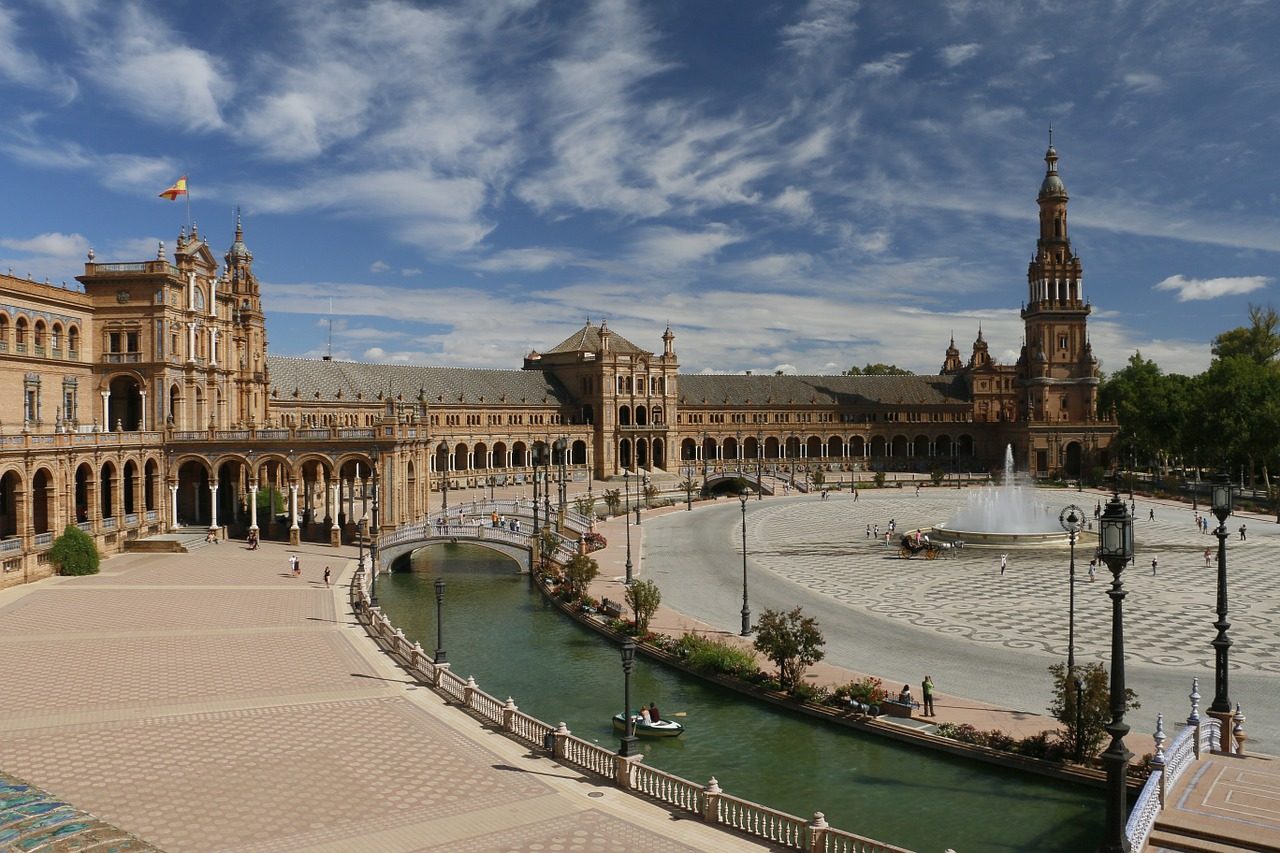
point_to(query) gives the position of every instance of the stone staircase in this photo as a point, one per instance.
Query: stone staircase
(1229, 804)
(179, 541)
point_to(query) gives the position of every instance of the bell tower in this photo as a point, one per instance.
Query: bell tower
(249, 334)
(1058, 369)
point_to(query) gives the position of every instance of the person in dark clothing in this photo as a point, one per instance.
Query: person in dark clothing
(654, 716)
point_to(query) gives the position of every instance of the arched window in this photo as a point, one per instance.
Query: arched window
(73, 342)
(55, 339)
(20, 334)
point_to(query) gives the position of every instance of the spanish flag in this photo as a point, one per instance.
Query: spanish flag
(179, 188)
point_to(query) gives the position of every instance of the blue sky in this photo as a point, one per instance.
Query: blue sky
(795, 185)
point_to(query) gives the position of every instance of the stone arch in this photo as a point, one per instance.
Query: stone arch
(480, 456)
(150, 485)
(944, 446)
(857, 447)
(920, 447)
(966, 444)
(898, 447)
(107, 475)
(659, 453)
(642, 453)
(878, 445)
(129, 484)
(460, 457)
(56, 337)
(624, 453)
(578, 454)
(83, 487)
(771, 446)
(793, 447)
(1073, 459)
(588, 414)
(642, 416)
(751, 447)
(688, 449)
(193, 477)
(10, 492)
(20, 330)
(519, 455)
(5, 328)
(124, 402)
(38, 334)
(624, 416)
(500, 454)
(813, 447)
(731, 446)
(73, 341)
(835, 447)
(43, 500)
(708, 449)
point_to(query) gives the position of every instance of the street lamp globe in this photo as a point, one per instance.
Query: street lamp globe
(1222, 492)
(1115, 533)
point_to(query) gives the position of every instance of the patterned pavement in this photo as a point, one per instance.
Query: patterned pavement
(1168, 617)
(211, 702)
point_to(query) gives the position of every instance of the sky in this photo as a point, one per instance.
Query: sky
(797, 186)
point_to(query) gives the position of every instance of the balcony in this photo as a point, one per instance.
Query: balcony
(121, 357)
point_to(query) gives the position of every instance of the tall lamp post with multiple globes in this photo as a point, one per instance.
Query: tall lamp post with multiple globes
(562, 447)
(373, 538)
(1221, 707)
(746, 611)
(626, 518)
(439, 656)
(1072, 519)
(535, 452)
(1116, 549)
(442, 452)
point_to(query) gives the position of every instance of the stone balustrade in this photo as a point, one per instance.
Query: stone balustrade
(707, 801)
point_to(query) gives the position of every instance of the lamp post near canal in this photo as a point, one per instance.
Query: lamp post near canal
(1116, 549)
(1221, 707)
(628, 745)
(626, 519)
(562, 446)
(1072, 519)
(746, 611)
(373, 537)
(442, 453)
(440, 656)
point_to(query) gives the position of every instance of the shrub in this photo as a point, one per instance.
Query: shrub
(643, 597)
(585, 504)
(878, 479)
(867, 690)
(792, 641)
(580, 571)
(1041, 745)
(74, 552)
(806, 692)
(613, 500)
(1095, 706)
(716, 656)
(594, 542)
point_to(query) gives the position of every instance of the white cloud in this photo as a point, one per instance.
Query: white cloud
(409, 272)
(379, 266)
(956, 54)
(1190, 289)
(50, 245)
(795, 201)
(663, 247)
(530, 259)
(889, 65)
(822, 23)
(27, 68)
(1143, 83)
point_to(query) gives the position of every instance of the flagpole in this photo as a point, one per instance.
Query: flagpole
(188, 195)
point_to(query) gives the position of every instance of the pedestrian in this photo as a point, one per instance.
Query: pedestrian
(917, 490)
(1092, 570)
(1206, 557)
(297, 567)
(326, 575)
(1153, 567)
(877, 531)
(1004, 563)
(868, 531)
(293, 563)
(855, 494)
(1242, 537)
(926, 689)
(1151, 514)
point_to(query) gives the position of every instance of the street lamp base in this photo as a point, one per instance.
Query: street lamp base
(1225, 721)
(746, 622)
(627, 746)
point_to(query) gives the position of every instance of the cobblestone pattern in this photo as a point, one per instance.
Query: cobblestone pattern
(584, 832)
(63, 610)
(963, 594)
(227, 564)
(290, 781)
(87, 673)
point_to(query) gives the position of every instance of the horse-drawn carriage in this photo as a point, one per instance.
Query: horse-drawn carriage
(909, 547)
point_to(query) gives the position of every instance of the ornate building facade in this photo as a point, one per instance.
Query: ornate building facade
(149, 402)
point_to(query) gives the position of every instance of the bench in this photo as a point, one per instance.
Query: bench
(894, 708)
(610, 609)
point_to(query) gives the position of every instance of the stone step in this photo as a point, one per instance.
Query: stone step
(1184, 840)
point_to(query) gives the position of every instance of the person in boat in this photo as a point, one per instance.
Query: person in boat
(654, 716)
(644, 715)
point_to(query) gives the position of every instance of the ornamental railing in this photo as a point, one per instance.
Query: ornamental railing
(708, 801)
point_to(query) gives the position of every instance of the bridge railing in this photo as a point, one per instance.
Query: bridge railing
(1198, 736)
(708, 801)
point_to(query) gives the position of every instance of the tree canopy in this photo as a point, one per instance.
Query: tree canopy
(877, 369)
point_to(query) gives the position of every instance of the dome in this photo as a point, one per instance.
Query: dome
(1053, 185)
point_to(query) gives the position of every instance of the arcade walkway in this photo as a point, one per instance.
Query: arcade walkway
(212, 702)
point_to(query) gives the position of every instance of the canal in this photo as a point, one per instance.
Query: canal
(499, 630)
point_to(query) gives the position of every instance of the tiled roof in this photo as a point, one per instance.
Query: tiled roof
(587, 339)
(739, 390)
(436, 384)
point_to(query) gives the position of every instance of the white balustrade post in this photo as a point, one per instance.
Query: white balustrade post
(333, 504)
(253, 505)
(1193, 719)
(213, 505)
(293, 506)
(711, 801)
(818, 833)
(173, 505)
(1158, 759)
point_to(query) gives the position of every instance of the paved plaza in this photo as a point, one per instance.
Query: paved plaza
(980, 634)
(211, 702)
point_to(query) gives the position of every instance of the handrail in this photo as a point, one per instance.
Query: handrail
(709, 801)
(1198, 736)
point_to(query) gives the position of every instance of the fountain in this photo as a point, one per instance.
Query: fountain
(1008, 515)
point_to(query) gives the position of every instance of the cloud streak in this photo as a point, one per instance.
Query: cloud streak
(1194, 289)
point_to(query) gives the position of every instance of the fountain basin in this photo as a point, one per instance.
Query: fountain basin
(1008, 541)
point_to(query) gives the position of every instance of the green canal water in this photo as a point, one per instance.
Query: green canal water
(501, 632)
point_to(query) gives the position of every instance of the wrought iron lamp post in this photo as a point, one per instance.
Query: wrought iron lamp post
(442, 449)
(628, 744)
(1072, 519)
(688, 489)
(562, 446)
(626, 518)
(534, 453)
(1116, 549)
(1221, 707)
(746, 611)
(440, 656)
(373, 538)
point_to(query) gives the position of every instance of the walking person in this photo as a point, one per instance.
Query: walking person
(297, 567)
(326, 576)
(1153, 567)
(1004, 563)
(926, 689)
(1206, 557)
(868, 531)
(1242, 536)
(293, 564)
(1151, 514)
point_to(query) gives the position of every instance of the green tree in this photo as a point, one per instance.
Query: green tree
(74, 552)
(643, 597)
(1259, 341)
(818, 477)
(547, 543)
(877, 369)
(579, 572)
(1095, 709)
(585, 505)
(937, 475)
(650, 492)
(613, 500)
(269, 497)
(1152, 408)
(1237, 414)
(792, 641)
